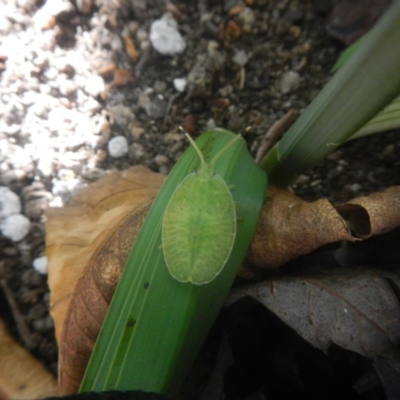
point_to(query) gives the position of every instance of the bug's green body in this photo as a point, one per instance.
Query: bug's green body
(199, 225)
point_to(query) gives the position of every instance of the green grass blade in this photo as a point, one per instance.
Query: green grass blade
(387, 119)
(155, 325)
(366, 84)
(347, 53)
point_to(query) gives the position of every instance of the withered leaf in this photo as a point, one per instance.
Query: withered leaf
(355, 308)
(89, 240)
(21, 375)
(91, 298)
(73, 233)
(289, 226)
(374, 214)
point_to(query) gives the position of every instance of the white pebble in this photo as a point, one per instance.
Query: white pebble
(180, 84)
(118, 146)
(165, 37)
(57, 7)
(290, 81)
(240, 58)
(210, 124)
(15, 227)
(355, 187)
(40, 264)
(94, 85)
(247, 17)
(57, 202)
(9, 202)
(66, 188)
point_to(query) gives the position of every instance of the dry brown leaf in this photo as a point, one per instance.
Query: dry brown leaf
(21, 375)
(289, 226)
(90, 234)
(99, 245)
(354, 308)
(91, 299)
(374, 214)
(74, 232)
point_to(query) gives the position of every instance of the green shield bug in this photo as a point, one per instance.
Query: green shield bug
(199, 224)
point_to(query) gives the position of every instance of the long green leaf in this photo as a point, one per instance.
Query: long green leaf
(366, 84)
(388, 118)
(155, 325)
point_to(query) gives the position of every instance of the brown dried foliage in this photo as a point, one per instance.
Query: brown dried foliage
(89, 241)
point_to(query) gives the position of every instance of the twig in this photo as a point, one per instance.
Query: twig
(20, 320)
(275, 133)
(169, 105)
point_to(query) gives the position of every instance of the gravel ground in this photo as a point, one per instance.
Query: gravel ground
(90, 86)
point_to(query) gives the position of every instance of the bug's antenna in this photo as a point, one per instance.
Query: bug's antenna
(192, 142)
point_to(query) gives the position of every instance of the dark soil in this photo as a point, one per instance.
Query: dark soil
(275, 36)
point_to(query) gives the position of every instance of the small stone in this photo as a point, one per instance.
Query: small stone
(68, 88)
(12, 130)
(40, 264)
(39, 110)
(15, 227)
(14, 113)
(5, 25)
(240, 58)
(45, 166)
(210, 124)
(34, 208)
(93, 174)
(247, 17)
(137, 153)
(84, 6)
(156, 108)
(9, 203)
(12, 176)
(180, 84)
(29, 97)
(43, 324)
(65, 189)
(161, 160)
(136, 131)
(172, 137)
(144, 99)
(121, 114)
(57, 7)
(118, 146)
(160, 86)
(63, 65)
(165, 37)
(290, 81)
(37, 311)
(355, 187)
(57, 202)
(44, 20)
(116, 44)
(94, 85)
